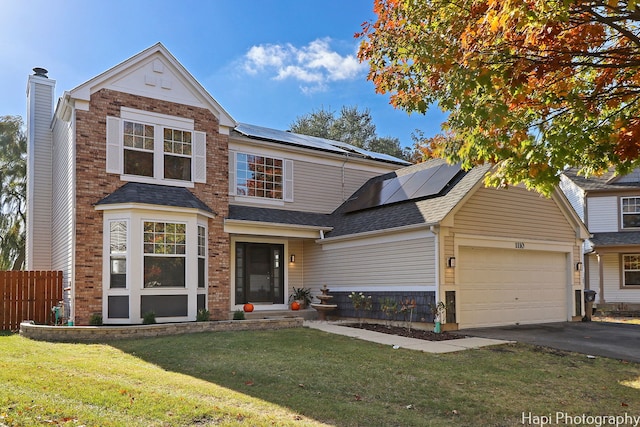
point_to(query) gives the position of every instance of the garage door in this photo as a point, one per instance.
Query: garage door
(507, 287)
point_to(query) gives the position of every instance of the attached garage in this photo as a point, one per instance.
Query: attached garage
(500, 286)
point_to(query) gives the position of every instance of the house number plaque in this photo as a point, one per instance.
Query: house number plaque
(519, 245)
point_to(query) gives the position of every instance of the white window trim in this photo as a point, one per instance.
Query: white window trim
(135, 219)
(115, 147)
(287, 180)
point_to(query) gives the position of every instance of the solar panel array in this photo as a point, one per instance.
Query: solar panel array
(417, 185)
(259, 132)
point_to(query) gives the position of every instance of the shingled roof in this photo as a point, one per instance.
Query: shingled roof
(152, 194)
(430, 210)
(278, 216)
(616, 239)
(606, 181)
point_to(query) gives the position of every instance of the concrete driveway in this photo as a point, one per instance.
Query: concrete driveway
(614, 340)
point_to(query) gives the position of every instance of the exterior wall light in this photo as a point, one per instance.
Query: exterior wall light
(451, 262)
(292, 259)
(579, 266)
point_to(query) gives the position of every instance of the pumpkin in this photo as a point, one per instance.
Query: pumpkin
(295, 305)
(248, 307)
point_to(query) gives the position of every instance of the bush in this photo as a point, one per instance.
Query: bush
(238, 315)
(203, 315)
(149, 318)
(95, 319)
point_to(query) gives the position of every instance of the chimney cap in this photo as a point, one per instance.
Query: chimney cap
(41, 72)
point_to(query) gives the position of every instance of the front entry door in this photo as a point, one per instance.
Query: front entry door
(259, 273)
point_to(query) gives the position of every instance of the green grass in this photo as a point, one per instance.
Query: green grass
(300, 377)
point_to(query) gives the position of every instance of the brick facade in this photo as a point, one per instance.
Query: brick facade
(93, 183)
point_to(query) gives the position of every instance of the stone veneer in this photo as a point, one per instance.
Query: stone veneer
(93, 183)
(109, 333)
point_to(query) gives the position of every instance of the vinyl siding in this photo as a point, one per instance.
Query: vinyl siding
(295, 271)
(513, 213)
(613, 293)
(602, 214)
(38, 253)
(408, 262)
(574, 194)
(63, 196)
(319, 185)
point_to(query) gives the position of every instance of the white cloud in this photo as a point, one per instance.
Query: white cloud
(315, 65)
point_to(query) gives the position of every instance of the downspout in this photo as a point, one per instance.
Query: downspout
(346, 159)
(436, 262)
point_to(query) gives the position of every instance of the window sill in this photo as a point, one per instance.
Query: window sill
(258, 200)
(147, 180)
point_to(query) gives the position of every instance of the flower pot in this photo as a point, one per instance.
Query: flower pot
(437, 329)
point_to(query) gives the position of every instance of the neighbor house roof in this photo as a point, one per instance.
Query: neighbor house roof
(151, 194)
(616, 239)
(608, 181)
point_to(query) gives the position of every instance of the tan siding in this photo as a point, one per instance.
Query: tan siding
(62, 203)
(602, 214)
(513, 212)
(296, 270)
(319, 184)
(449, 251)
(402, 263)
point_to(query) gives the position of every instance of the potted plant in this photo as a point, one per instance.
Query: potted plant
(302, 295)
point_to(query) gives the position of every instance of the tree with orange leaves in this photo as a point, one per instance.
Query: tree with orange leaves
(532, 86)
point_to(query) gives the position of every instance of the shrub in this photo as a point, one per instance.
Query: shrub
(238, 315)
(203, 315)
(95, 319)
(149, 318)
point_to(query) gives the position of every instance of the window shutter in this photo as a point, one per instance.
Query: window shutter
(232, 173)
(114, 145)
(288, 180)
(199, 156)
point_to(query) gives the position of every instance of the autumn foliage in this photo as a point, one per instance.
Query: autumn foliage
(531, 86)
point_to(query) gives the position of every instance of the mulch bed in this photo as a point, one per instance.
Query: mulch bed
(405, 332)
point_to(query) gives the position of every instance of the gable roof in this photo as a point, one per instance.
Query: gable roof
(155, 73)
(608, 181)
(428, 211)
(152, 194)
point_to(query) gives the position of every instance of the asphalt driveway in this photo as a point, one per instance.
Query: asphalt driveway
(614, 340)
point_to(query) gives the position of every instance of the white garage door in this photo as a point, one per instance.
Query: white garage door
(507, 287)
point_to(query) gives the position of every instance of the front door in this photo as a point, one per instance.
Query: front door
(259, 273)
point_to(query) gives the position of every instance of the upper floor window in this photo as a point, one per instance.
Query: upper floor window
(631, 270)
(630, 212)
(261, 176)
(155, 148)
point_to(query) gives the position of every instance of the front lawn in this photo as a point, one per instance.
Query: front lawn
(300, 377)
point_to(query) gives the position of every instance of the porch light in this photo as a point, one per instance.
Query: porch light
(451, 262)
(579, 266)
(292, 258)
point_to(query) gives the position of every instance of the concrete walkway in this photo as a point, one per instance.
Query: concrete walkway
(447, 346)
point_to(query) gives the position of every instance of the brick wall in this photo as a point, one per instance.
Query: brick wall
(93, 183)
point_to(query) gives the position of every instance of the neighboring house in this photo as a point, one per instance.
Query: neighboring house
(610, 207)
(149, 196)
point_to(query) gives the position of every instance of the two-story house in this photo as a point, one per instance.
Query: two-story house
(610, 207)
(149, 196)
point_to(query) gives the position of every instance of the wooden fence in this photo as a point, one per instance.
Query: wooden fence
(28, 295)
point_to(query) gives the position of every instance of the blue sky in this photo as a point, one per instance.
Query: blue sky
(265, 61)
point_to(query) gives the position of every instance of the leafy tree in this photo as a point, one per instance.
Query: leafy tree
(530, 86)
(13, 150)
(351, 126)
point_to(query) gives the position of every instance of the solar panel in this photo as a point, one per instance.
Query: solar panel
(417, 185)
(275, 135)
